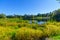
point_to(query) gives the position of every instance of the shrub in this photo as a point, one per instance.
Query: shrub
(51, 30)
(6, 33)
(28, 34)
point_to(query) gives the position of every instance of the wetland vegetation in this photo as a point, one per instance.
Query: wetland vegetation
(30, 27)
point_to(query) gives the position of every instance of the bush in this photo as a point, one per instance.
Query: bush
(51, 29)
(28, 34)
(6, 33)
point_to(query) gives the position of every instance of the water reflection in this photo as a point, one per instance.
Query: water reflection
(37, 22)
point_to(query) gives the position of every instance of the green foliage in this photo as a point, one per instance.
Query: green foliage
(56, 16)
(2, 15)
(28, 34)
(6, 33)
(16, 29)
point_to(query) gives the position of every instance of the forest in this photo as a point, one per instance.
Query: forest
(41, 17)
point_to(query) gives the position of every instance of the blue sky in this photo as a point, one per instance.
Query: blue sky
(21, 7)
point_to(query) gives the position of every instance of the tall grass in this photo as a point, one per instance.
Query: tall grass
(28, 34)
(11, 29)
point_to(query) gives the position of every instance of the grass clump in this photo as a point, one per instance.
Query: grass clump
(28, 34)
(51, 29)
(6, 33)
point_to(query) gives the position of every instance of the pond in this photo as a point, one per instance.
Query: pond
(37, 22)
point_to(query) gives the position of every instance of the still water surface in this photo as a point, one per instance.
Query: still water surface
(37, 22)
